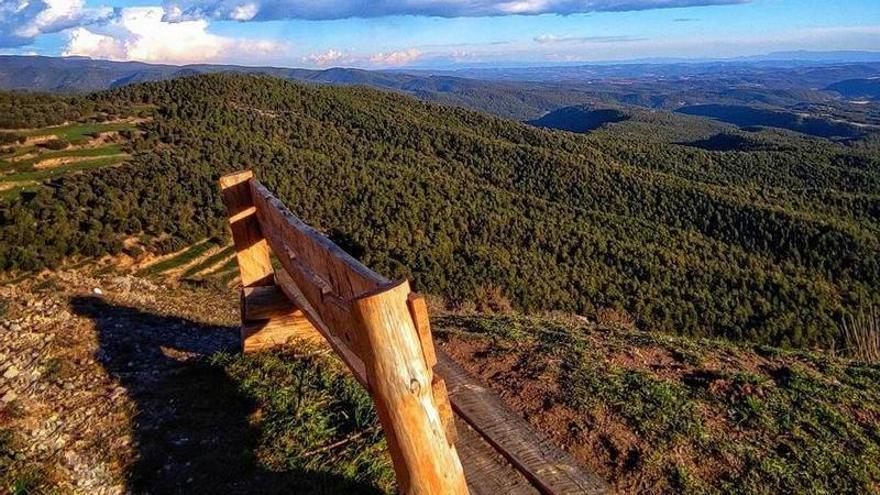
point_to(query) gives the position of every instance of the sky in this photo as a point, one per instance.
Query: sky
(430, 33)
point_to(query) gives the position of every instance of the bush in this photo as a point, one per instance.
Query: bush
(55, 144)
(11, 137)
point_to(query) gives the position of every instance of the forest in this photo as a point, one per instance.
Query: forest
(772, 241)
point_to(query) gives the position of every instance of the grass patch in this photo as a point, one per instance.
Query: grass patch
(49, 173)
(77, 133)
(110, 149)
(313, 417)
(209, 262)
(16, 477)
(181, 259)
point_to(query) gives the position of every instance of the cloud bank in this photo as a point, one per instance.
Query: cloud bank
(550, 39)
(21, 21)
(263, 10)
(139, 33)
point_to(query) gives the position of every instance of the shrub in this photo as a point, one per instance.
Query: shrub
(861, 335)
(492, 300)
(615, 317)
(11, 137)
(55, 144)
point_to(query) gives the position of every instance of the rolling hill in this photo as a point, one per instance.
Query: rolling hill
(857, 88)
(771, 245)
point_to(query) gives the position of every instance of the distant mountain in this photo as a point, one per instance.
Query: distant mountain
(858, 88)
(744, 116)
(837, 56)
(519, 101)
(539, 95)
(579, 118)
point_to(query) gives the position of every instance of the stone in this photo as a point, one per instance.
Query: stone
(9, 397)
(97, 291)
(11, 373)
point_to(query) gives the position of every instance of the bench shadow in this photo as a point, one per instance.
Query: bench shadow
(191, 431)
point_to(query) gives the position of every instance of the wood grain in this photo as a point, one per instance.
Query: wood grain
(251, 249)
(400, 382)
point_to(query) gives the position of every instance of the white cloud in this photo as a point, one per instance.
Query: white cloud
(546, 39)
(139, 33)
(179, 10)
(323, 59)
(402, 57)
(244, 12)
(21, 21)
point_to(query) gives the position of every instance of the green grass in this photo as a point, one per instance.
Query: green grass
(709, 416)
(181, 259)
(314, 417)
(18, 189)
(49, 173)
(76, 133)
(28, 164)
(18, 151)
(209, 262)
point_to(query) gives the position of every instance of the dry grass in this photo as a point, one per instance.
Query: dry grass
(861, 335)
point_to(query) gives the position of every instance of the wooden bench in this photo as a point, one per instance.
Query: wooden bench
(446, 432)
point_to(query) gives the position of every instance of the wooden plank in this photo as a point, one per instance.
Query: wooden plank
(262, 303)
(347, 277)
(352, 361)
(251, 249)
(550, 470)
(400, 383)
(261, 335)
(487, 471)
(418, 309)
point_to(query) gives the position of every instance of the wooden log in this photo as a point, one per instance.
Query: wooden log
(401, 386)
(418, 310)
(251, 249)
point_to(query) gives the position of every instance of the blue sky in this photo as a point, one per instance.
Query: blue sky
(402, 33)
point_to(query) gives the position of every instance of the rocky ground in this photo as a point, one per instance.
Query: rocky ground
(75, 348)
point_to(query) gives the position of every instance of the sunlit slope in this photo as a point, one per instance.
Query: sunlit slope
(771, 246)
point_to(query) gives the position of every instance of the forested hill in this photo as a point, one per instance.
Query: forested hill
(771, 245)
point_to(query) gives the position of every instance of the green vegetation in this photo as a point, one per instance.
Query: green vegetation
(209, 262)
(690, 416)
(20, 110)
(77, 133)
(180, 259)
(19, 478)
(25, 179)
(773, 244)
(111, 149)
(314, 418)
